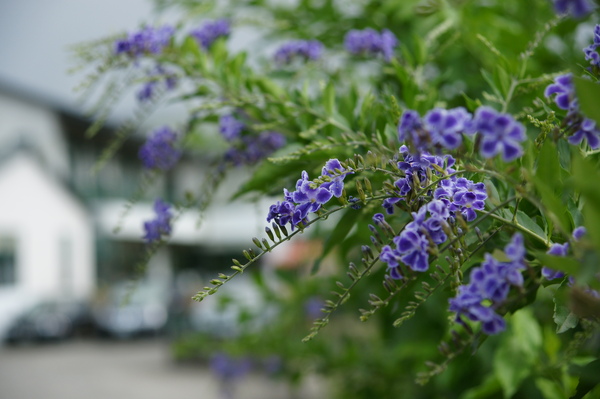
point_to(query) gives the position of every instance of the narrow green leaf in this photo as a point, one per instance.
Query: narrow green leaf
(329, 98)
(588, 94)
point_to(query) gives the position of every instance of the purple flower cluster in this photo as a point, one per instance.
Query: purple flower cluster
(309, 195)
(304, 49)
(371, 42)
(230, 128)
(491, 281)
(159, 152)
(417, 175)
(580, 126)
(160, 226)
(159, 76)
(228, 368)
(211, 31)
(441, 128)
(591, 51)
(561, 250)
(459, 194)
(148, 40)
(500, 133)
(462, 196)
(578, 8)
(411, 246)
(249, 149)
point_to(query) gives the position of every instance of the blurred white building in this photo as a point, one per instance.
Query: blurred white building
(46, 232)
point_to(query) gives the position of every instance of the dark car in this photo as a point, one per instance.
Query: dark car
(50, 321)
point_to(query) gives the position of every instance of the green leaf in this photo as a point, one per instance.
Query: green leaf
(493, 198)
(502, 79)
(518, 352)
(266, 176)
(553, 203)
(269, 87)
(588, 379)
(329, 98)
(491, 81)
(471, 104)
(511, 367)
(339, 233)
(585, 179)
(529, 224)
(549, 389)
(527, 331)
(564, 154)
(548, 165)
(588, 94)
(568, 265)
(564, 318)
(485, 390)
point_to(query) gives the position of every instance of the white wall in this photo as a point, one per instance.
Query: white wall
(40, 212)
(23, 121)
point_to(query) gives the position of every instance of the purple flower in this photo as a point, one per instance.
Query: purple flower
(446, 126)
(591, 51)
(580, 126)
(313, 306)
(304, 49)
(578, 8)
(418, 171)
(565, 93)
(309, 195)
(227, 367)
(561, 250)
(148, 40)
(410, 129)
(579, 232)
(412, 245)
(230, 128)
(160, 226)
(147, 91)
(159, 151)
(462, 195)
(468, 303)
(439, 128)
(249, 149)
(500, 133)
(491, 281)
(211, 31)
(336, 172)
(586, 130)
(158, 75)
(282, 213)
(371, 42)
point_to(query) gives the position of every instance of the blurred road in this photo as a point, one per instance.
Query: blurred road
(115, 370)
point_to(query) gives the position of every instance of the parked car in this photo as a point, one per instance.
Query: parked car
(50, 320)
(131, 309)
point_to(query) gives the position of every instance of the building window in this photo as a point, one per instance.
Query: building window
(7, 260)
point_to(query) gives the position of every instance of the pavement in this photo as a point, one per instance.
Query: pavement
(123, 369)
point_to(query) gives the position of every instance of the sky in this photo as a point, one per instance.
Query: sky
(35, 36)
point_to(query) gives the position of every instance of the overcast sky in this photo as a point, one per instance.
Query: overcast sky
(35, 36)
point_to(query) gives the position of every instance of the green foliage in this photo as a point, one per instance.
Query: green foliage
(468, 53)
